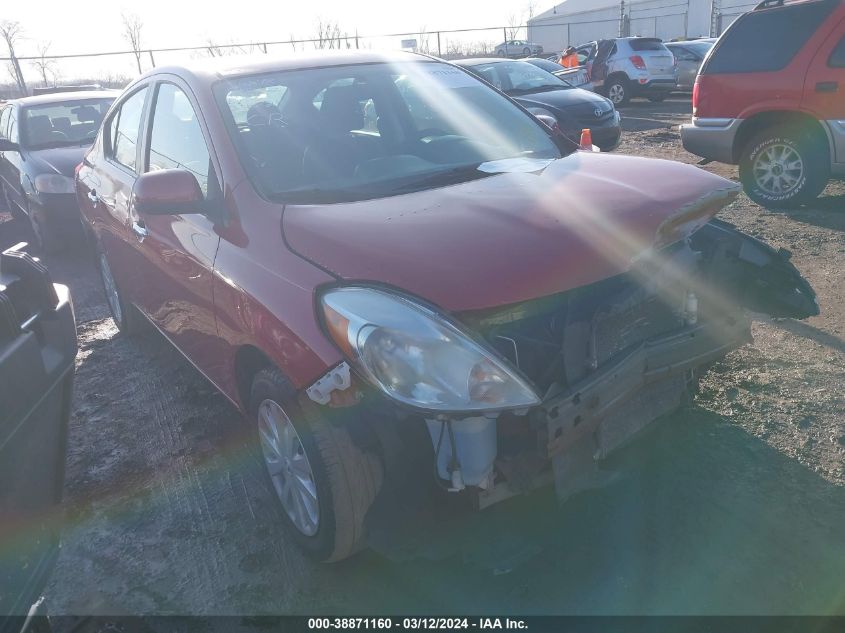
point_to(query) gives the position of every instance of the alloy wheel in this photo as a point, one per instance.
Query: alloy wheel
(616, 94)
(289, 468)
(778, 169)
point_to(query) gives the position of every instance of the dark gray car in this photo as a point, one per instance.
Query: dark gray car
(688, 58)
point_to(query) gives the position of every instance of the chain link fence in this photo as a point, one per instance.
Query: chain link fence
(667, 19)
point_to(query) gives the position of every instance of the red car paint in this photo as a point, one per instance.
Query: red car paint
(505, 238)
(808, 85)
(222, 291)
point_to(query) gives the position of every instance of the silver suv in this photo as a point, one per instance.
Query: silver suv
(626, 67)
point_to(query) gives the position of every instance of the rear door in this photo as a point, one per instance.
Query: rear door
(106, 181)
(824, 88)
(178, 250)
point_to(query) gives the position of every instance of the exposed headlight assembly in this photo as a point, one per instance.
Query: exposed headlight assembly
(53, 183)
(417, 356)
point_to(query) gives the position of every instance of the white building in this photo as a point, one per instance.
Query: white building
(578, 21)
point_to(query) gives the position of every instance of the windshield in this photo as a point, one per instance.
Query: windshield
(60, 124)
(518, 77)
(373, 130)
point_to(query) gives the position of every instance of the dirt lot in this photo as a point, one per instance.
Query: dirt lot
(735, 505)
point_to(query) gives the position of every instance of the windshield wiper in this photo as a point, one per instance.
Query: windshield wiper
(452, 176)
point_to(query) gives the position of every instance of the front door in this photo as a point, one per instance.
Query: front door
(179, 249)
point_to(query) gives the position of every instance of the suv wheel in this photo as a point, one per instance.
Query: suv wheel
(618, 91)
(323, 482)
(125, 315)
(783, 168)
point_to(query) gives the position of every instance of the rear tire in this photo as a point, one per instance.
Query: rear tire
(526, 51)
(618, 90)
(346, 479)
(783, 168)
(126, 317)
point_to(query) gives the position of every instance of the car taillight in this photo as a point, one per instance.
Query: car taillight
(638, 62)
(696, 92)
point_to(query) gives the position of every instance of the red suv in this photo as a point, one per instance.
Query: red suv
(405, 278)
(771, 97)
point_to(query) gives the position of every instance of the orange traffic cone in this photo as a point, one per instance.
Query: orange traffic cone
(586, 139)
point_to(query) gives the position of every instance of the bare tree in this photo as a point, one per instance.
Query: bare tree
(132, 27)
(329, 36)
(514, 25)
(46, 66)
(11, 32)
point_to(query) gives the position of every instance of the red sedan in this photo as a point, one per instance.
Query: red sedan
(401, 275)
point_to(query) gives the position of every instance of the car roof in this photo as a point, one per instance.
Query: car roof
(209, 71)
(62, 97)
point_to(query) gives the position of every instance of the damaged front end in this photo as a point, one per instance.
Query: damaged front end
(522, 395)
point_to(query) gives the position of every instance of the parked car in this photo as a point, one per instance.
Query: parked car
(688, 57)
(42, 140)
(576, 77)
(545, 94)
(517, 48)
(628, 67)
(777, 111)
(37, 351)
(449, 292)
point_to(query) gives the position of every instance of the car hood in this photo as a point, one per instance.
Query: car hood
(56, 160)
(514, 236)
(565, 99)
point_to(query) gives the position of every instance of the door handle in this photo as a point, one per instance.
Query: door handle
(827, 86)
(93, 197)
(139, 230)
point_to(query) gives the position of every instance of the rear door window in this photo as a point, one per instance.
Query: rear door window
(767, 40)
(124, 136)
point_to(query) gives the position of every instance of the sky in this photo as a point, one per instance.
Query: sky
(95, 25)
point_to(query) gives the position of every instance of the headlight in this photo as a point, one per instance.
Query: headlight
(53, 183)
(417, 356)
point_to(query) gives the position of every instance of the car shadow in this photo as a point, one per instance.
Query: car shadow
(826, 212)
(799, 328)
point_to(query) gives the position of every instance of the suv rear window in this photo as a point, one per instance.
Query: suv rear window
(767, 40)
(647, 44)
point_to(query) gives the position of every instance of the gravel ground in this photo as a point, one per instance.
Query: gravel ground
(734, 505)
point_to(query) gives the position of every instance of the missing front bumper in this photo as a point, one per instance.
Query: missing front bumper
(604, 411)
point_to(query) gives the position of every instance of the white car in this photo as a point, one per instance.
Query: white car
(518, 48)
(627, 67)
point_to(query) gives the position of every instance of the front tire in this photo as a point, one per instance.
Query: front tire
(10, 206)
(323, 482)
(783, 168)
(44, 234)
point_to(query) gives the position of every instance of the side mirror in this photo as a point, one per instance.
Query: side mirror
(168, 192)
(8, 146)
